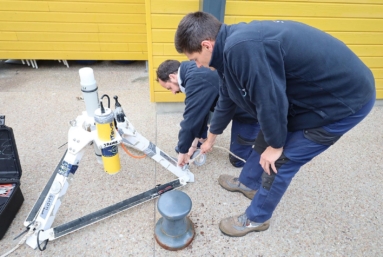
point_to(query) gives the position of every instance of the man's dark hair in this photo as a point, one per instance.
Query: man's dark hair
(193, 29)
(166, 68)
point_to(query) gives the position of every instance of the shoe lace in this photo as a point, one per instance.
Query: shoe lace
(242, 219)
(237, 180)
(239, 183)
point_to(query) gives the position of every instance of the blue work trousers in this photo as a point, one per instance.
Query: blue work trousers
(298, 150)
(242, 140)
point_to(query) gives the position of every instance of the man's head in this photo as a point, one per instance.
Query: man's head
(167, 75)
(195, 37)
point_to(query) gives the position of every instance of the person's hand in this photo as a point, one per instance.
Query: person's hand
(207, 146)
(202, 140)
(268, 158)
(192, 149)
(183, 159)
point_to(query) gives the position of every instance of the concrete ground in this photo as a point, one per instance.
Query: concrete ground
(333, 206)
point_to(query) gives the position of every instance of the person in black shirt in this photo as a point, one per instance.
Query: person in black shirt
(201, 87)
(305, 87)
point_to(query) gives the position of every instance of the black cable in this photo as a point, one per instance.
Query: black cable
(105, 95)
(38, 242)
(25, 231)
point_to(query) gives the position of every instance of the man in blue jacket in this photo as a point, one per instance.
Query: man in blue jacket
(306, 88)
(201, 86)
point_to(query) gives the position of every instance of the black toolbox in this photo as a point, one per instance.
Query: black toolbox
(11, 197)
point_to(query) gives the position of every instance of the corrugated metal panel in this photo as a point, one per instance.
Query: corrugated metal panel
(72, 55)
(319, 1)
(73, 29)
(168, 97)
(165, 14)
(358, 23)
(302, 9)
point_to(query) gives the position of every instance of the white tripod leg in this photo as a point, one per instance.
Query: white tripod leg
(132, 138)
(47, 213)
(78, 138)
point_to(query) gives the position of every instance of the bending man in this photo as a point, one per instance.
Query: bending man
(201, 87)
(306, 88)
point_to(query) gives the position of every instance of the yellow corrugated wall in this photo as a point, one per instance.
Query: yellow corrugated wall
(359, 23)
(163, 19)
(73, 29)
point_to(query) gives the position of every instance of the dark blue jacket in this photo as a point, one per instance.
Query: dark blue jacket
(289, 75)
(201, 90)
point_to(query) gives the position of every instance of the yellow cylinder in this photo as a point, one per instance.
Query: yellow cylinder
(106, 133)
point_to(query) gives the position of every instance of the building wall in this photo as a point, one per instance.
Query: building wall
(359, 23)
(73, 29)
(164, 17)
(116, 30)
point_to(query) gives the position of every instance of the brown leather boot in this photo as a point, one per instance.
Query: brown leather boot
(232, 184)
(240, 225)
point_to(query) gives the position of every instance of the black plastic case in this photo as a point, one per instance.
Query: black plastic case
(11, 197)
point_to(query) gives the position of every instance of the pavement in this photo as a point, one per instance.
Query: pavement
(333, 206)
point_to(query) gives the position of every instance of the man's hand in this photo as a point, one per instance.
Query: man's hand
(183, 159)
(207, 146)
(268, 158)
(193, 146)
(192, 149)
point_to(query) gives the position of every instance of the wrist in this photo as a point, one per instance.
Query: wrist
(211, 138)
(275, 148)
